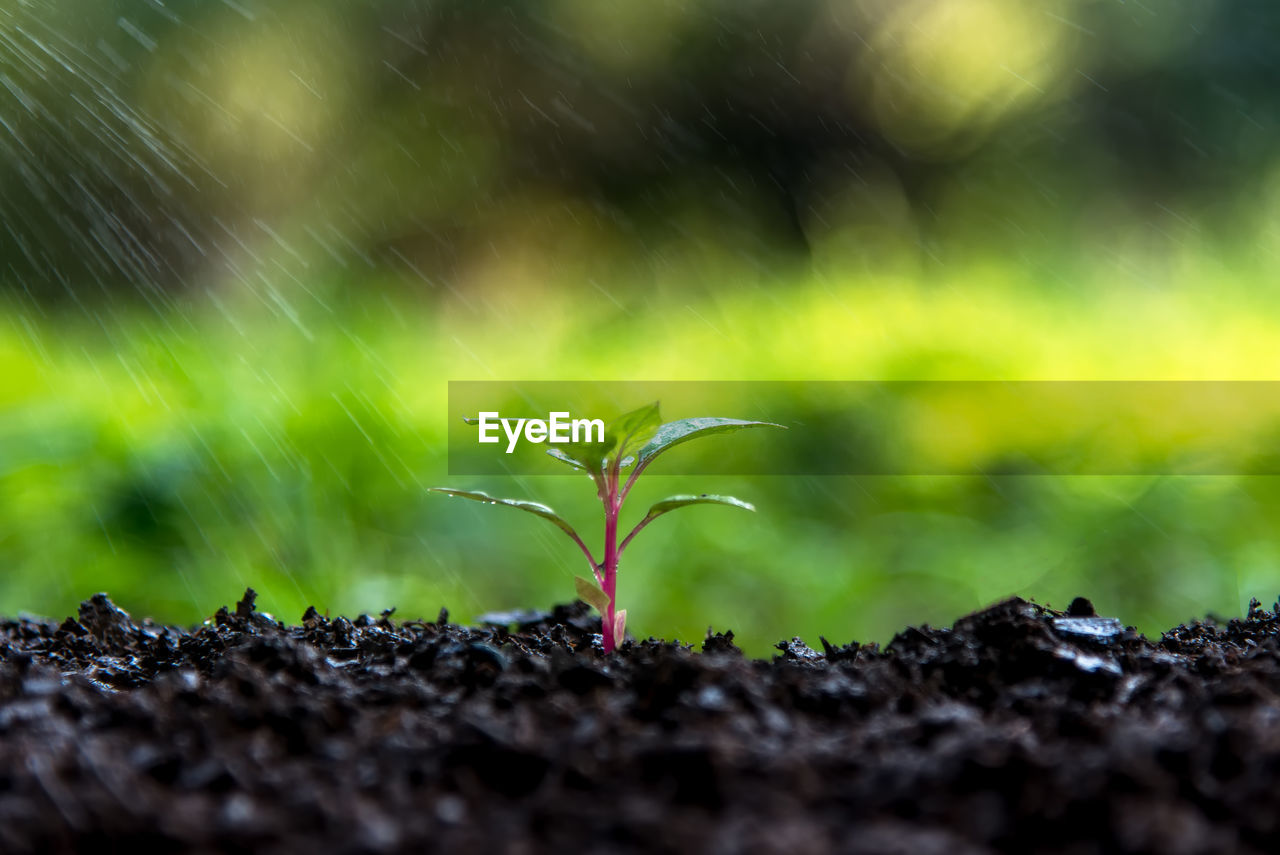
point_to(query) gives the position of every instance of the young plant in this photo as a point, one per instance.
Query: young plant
(631, 442)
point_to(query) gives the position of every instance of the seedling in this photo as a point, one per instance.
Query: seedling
(631, 442)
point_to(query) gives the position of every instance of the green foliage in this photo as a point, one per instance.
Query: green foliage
(172, 460)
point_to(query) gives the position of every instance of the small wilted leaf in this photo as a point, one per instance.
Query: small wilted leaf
(619, 627)
(592, 594)
(534, 508)
(674, 433)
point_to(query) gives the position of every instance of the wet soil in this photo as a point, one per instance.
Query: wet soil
(1019, 729)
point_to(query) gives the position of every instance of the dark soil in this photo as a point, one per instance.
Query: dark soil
(1020, 729)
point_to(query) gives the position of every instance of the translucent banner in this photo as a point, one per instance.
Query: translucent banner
(887, 428)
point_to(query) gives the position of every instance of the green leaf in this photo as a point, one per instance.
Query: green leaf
(591, 593)
(565, 458)
(632, 430)
(624, 434)
(534, 508)
(591, 456)
(673, 433)
(672, 502)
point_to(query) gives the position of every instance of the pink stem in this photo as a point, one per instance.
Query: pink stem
(644, 522)
(610, 586)
(635, 473)
(587, 552)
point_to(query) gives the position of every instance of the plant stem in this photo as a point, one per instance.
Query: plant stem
(644, 522)
(612, 505)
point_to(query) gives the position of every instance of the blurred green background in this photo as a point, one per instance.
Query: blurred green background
(246, 244)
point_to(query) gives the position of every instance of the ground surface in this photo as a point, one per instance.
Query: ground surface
(1017, 730)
